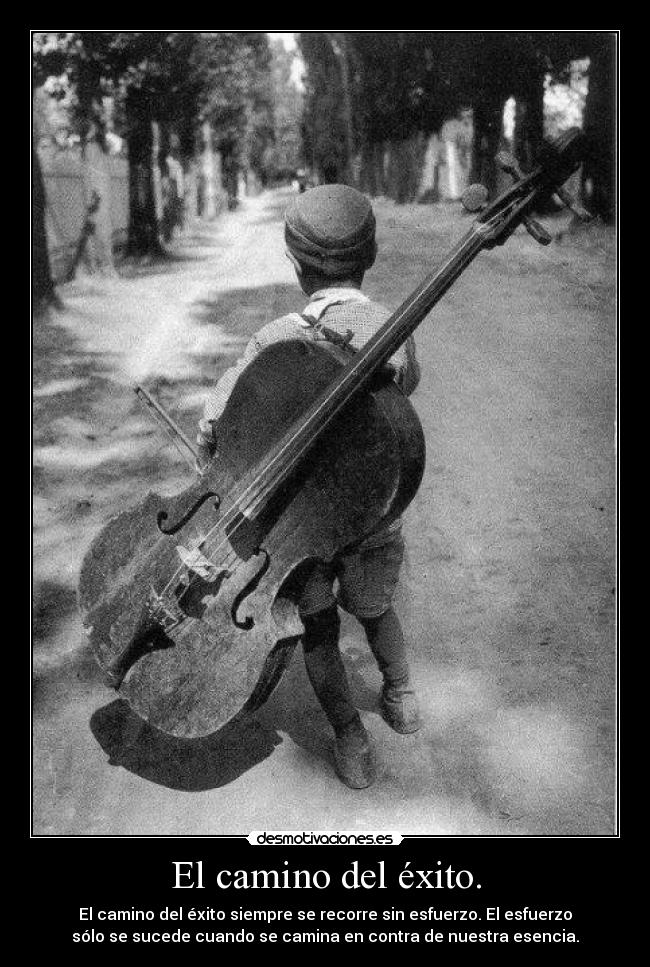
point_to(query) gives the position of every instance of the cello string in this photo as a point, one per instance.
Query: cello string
(259, 486)
(299, 432)
(269, 478)
(299, 435)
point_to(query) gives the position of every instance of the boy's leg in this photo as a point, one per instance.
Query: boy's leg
(398, 702)
(353, 752)
(325, 667)
(368, 580)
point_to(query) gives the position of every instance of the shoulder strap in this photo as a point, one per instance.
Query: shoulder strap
(331, 335)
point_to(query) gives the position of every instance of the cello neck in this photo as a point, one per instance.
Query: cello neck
(406, 318)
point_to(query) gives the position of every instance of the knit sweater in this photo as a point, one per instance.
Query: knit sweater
(339, 309)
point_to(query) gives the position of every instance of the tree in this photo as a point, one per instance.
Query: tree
(151, 71)
(559, 51)
(529, 68)
(323, 124)
(392, 86)
(285, 154)
(405, 84)
(78, 67)
(259, 128)
(233, 73)
(165, 86)
(599, 171)
(143, 138)
(488, 64)
(339, 44)
(43, 291)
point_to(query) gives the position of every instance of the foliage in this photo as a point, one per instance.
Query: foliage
(179, 78)
(157, 88)
(564, 98)
(231, 71)
(404, 83)
(323, 123)
(283, 156)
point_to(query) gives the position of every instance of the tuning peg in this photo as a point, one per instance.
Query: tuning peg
(538, 232)
(474, 198)
(508, 163)
(565, 198)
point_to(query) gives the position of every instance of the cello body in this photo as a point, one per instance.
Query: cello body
(238, 590)
(190, 602)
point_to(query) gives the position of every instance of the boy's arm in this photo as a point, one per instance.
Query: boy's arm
(216, 404)
(408, 370)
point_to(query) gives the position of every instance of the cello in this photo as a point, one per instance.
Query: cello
(190, 601)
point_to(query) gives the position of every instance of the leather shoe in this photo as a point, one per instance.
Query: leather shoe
(354, 757)
(399, 709)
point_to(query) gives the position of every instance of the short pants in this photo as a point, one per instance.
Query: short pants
(366, 579)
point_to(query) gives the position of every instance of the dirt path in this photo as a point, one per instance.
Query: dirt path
(507, 592)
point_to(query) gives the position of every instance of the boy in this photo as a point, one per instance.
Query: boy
(330, 238)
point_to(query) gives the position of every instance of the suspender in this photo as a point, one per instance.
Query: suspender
(330, 334)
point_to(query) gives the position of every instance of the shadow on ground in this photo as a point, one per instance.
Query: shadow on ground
(243, 311)
(170, 262)
(451, 754)
(191, 765)
(215, 760)
(53, 603)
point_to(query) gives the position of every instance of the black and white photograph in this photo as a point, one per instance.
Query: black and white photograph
(324, 432)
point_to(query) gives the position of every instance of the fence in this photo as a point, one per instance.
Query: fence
(67, 189)
(69, 183)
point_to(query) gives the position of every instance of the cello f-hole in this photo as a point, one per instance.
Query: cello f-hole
(174, 528)
(247, 623)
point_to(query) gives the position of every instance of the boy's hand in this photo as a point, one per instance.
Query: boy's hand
(206, 445)
(203, 459)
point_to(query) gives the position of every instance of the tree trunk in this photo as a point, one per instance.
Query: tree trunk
(367, 175)
(488, 125)
(42, 285)
(157, 155)
(144, 236)
(599, 169)
(338, 42)
(379, 152)
(528, 132)
(229, 175)
(209, 209)
(190, 192)
(429, 187)
(453, 171)
(347, 113)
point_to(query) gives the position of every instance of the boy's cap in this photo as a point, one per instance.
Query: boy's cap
(331, 228)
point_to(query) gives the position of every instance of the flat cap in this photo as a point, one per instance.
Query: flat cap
(331, 228)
